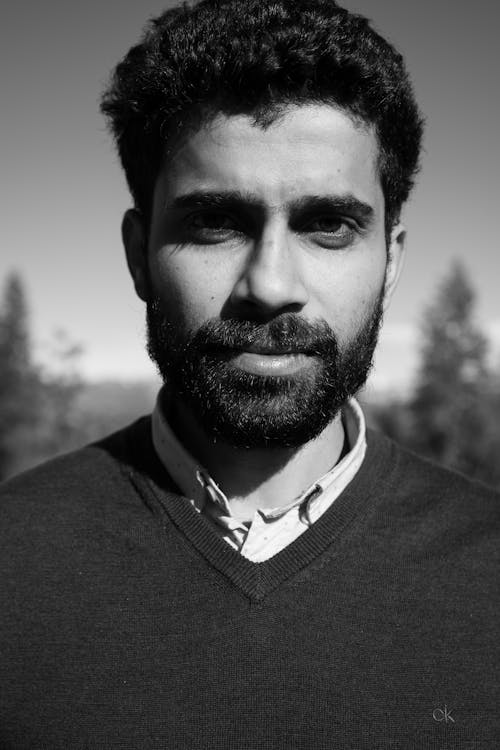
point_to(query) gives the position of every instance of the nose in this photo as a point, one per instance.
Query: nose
(271, 280)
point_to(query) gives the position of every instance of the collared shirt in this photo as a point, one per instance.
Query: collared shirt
(271, 529)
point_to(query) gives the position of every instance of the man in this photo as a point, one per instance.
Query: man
(249, 568)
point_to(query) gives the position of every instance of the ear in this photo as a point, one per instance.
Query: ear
(395, 261)
(134, 241)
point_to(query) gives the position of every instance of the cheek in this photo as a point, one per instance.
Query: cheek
(347, 295)
(190, 291)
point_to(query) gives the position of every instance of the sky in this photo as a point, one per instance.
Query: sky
(63, 193)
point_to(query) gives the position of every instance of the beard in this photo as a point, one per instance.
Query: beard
(252, 411)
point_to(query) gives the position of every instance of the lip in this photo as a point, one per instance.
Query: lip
(268, 351)
(270, 362)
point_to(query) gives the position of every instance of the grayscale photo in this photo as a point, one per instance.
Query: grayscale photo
(250, 376)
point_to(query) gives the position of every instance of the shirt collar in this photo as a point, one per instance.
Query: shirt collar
(195, 482)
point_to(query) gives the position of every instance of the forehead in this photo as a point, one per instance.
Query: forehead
(308, 150)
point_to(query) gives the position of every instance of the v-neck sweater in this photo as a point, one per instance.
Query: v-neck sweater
(268, 530)
(126, 622)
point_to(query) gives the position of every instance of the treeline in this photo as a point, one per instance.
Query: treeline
(35, 406)
(48, 411)
(452, 415)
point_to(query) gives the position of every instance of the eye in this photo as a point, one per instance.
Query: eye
(212, 220)
(326, 224)
(211, 226)
(330, 231)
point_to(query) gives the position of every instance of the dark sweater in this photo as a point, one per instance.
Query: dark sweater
(126, 622)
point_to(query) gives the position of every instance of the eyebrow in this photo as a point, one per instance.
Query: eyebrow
(200, 199)
(345, 203)
(342, 204)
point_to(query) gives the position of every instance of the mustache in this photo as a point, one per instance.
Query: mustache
(287, 332)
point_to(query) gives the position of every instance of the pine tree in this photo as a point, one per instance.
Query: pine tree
(448, 405)
(17, 374)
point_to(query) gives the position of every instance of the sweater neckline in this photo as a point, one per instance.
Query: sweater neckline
(255, 579)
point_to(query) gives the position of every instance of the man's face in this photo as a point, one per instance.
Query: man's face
(265, 270)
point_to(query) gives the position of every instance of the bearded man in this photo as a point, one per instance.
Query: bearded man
(249, 567)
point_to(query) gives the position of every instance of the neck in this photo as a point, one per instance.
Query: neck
(260, 478)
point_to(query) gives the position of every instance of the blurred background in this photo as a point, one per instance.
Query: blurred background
(72, 358)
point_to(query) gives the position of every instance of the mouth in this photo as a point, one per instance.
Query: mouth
(270, 351)
(268, 362)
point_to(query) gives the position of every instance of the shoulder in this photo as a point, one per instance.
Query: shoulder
(65, 524)
(419, 474)
(70, 484)
(430, 502)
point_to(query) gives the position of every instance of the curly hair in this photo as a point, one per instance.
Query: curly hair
(255, 57)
